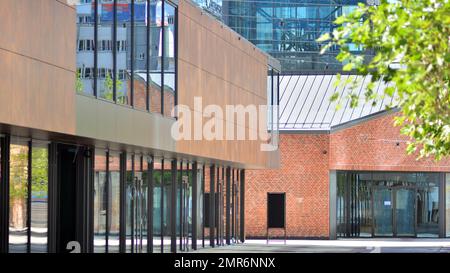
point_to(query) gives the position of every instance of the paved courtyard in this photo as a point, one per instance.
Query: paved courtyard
(337, 246)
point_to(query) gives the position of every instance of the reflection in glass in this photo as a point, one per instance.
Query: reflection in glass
(382, 204)
(167, 200)
(39, 198)
(404, 204)
(199, 201)
(428, 205)
(129, 212)
(18, 197)
(155, 50)
(404, 210)
(85, 76)
(100, 202)
(105, 47)
(144, 203)
(140, 56)
(124, 53)
(169, 59)
(114, 207)
(157, 178)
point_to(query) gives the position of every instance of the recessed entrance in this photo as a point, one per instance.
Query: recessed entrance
(390, 204)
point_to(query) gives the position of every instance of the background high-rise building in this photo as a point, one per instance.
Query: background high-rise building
(286, 29)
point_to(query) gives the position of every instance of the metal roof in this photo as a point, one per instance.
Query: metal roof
(305, 101)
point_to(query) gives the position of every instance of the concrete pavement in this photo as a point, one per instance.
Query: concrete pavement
(415, 245)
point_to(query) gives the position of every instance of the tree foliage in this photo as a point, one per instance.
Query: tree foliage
(409, 42)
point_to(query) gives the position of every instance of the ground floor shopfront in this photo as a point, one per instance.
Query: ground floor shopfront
(355, 180)
(389, 204)
(61, 197)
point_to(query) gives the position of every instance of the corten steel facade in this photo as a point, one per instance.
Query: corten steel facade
(86, 153)
(346, 172)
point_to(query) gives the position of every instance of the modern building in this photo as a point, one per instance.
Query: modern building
(288, 29)
(344, 171)
(88, 159)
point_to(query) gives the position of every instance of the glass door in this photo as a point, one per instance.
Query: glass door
(405, 212)
(382, 210)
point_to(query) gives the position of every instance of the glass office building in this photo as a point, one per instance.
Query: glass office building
(288, 29)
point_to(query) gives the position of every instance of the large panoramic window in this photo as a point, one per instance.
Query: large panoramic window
(126, 53)
(392, 204)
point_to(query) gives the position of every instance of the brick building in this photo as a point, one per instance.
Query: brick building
(345, 172)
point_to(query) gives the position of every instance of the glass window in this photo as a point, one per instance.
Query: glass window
(167, 198)
(18, 197)
(144, 203)
(155, 51)
(85, 49)
(140, 55)
(200, 216)
(428, 205)
(157, 208)
(124, 52)
(105, 35)
(129, 212)
(169, 34)
(387, 204)
(100, 201)
(114, 208)
(39, 197)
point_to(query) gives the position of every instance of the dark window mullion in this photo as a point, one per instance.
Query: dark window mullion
(181, 205)
(108, 203)
(150, 189)
(162, 206)
(114, 45)
(29, 188)
(132, 52)
(95, 48)
(147, 85)
(163, 49)
(203, 207)
(133, 204)
(176, 59)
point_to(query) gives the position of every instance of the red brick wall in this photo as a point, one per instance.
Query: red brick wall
(303, 176)
(377, 145)
(304, 173)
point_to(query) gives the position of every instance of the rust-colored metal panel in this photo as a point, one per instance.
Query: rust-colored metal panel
(37, 60)
(222, 68)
